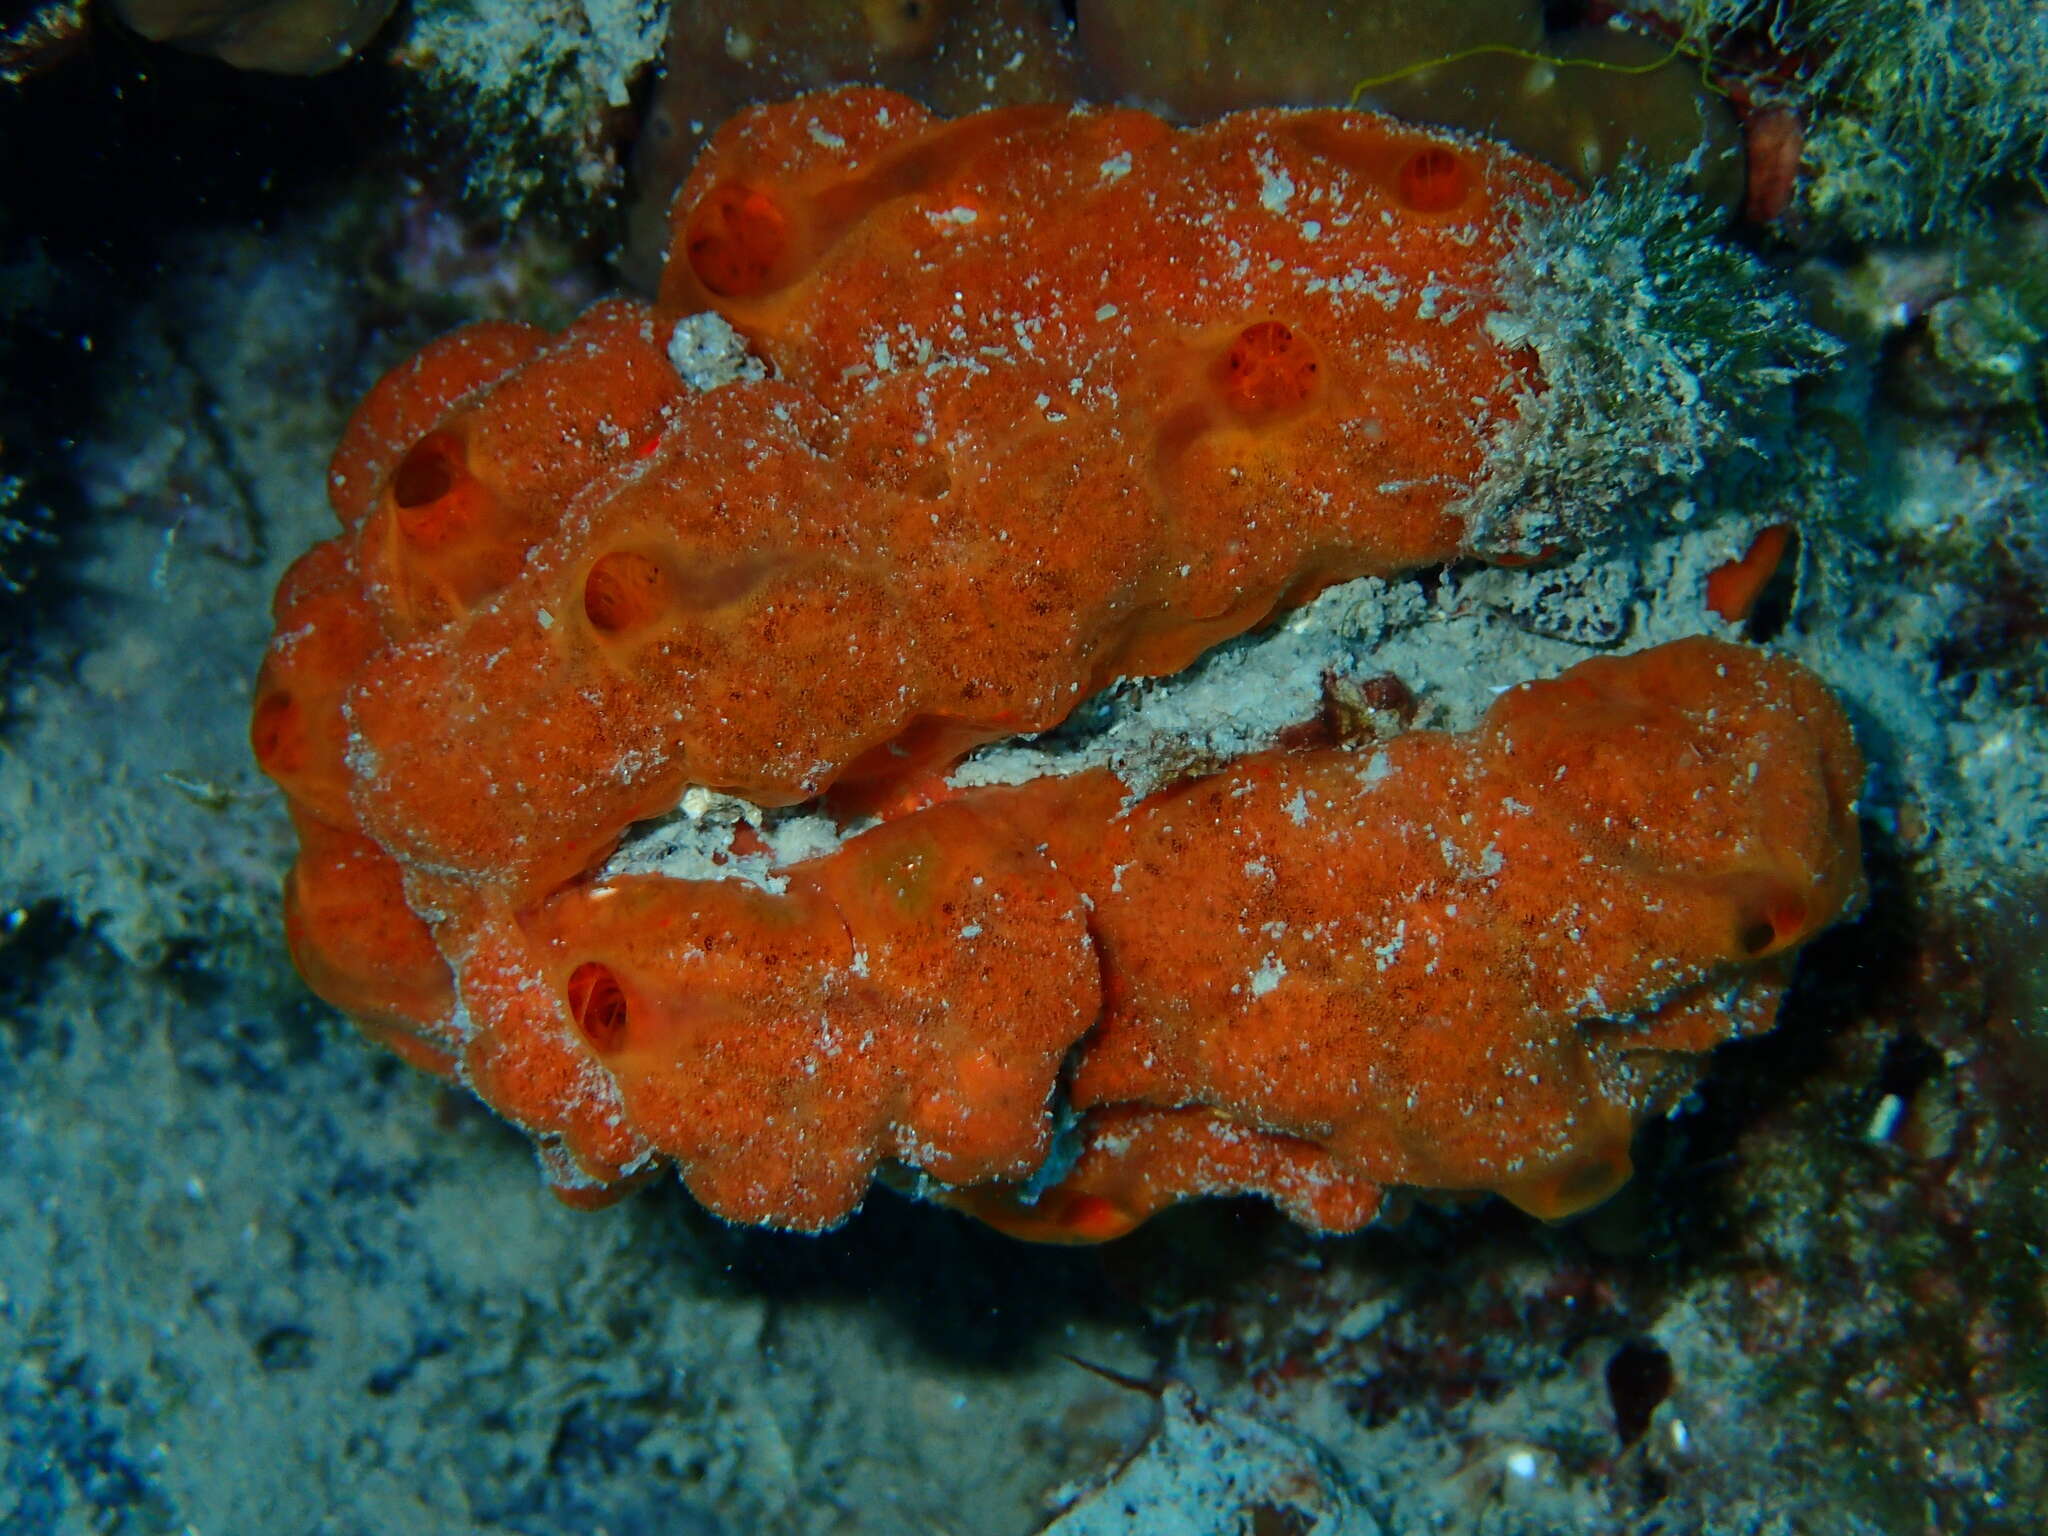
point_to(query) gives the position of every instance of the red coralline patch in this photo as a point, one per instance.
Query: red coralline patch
(1051, 398)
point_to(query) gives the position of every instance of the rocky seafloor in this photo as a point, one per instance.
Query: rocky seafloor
(257, 1276)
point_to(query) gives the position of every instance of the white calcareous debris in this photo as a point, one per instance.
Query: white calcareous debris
(695, 842)
(707, 352)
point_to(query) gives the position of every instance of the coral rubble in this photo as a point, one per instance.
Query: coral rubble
(531, 99)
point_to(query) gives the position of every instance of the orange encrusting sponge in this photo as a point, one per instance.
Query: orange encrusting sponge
(1055, 397)
(1455, 962)
(1050, 397)
(1466, 962)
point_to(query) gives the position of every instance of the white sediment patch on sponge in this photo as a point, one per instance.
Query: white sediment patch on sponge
(707, 352)
(695, 842)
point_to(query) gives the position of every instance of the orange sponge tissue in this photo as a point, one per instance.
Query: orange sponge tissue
(1028, 401)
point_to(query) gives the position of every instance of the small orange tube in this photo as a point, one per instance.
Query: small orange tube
(1734, 586)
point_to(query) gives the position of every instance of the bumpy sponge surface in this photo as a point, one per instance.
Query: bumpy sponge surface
(1029, 401)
